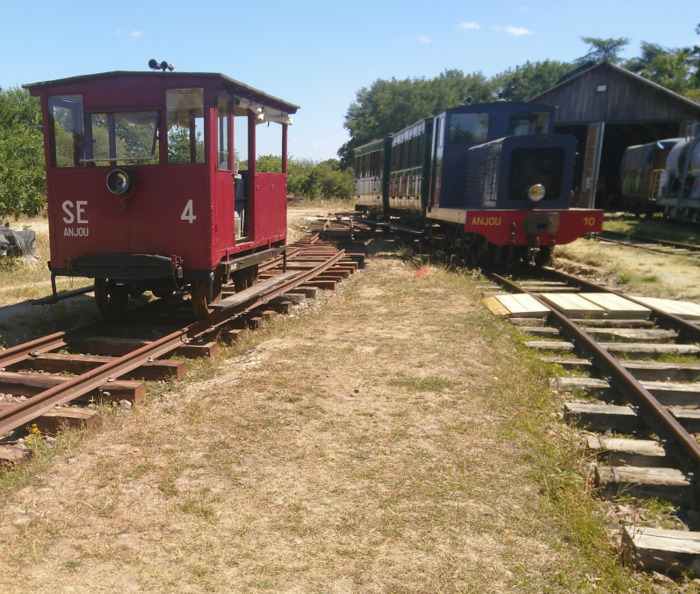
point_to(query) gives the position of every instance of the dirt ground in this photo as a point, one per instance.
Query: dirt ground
(387, 437)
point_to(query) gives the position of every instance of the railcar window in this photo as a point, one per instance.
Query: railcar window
(224, 135)
(469, 127)
(185, 117)
(122, 137)
(531, 122)
(67, 130)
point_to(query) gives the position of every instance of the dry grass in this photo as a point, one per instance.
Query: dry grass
(638, 272)
(391, 437)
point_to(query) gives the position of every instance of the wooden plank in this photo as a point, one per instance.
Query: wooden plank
(107, 345)
(632, 334)
(53, 421)
(682, 309)
(496, 307)
(574, 306)
(197, 351)
(665, 551)
(641, 370)
(77, 364)
(28, 384)
(542, 331)
(556, 346)
(669, 484)
(257, 289)
(651, 350)
(618, 451)
(616, 306)
(522, 305)
(601, 417)
(638, 349)
(689, 418)
(667, 393)
(326, 285)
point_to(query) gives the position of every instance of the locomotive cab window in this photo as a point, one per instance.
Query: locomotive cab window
(467, 128)
(185, 117)
(121, 138)
(66, 121)
(533, 122)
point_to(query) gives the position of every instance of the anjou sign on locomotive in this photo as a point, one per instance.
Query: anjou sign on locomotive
(492, 180)
(142, 188)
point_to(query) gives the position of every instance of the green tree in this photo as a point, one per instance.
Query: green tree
(179, 146)
(603, 50)
(670, 68)
(524, 82)
(694, 59)
(390, 105)
(22, 175)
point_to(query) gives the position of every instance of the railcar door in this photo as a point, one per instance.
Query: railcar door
(224, 190)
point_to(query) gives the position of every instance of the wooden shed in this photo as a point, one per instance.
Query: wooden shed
(607, 109)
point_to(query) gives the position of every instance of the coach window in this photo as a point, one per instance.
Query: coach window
(223, 132)
(530, 122)
(121, 138)
(66, 129)
(467, 128)
(185, 117)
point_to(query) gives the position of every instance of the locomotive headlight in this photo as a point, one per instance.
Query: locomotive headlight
(120, 182)
(536, 192)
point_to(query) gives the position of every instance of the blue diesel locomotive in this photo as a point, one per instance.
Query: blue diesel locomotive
(492, 180)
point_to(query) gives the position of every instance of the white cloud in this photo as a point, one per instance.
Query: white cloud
(423, 39)
(517, 31)
(121, 33)
(465, 26)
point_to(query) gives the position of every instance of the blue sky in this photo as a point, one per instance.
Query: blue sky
(319, 53)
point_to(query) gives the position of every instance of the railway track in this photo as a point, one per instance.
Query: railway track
(658, 246)
(109, 360)
(633, 377)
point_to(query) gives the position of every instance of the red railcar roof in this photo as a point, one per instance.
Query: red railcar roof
(234, 86)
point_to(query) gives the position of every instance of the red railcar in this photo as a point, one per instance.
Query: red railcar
(144, 191)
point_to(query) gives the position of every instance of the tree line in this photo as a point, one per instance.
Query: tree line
(378, 110)
(390, 105)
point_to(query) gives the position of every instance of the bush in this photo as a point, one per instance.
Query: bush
(22, 176)
(309, 179)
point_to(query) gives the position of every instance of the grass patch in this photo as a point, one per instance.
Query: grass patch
(656, 227)
(392, 436)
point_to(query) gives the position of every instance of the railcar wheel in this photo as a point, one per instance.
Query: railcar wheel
(110, 296)
(200, 298)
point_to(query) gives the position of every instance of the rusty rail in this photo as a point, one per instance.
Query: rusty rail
(28, 410)
(682, 445)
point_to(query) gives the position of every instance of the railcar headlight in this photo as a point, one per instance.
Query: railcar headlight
(120, 182)
(536, 192)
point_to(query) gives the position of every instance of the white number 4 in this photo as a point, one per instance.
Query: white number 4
(188, 213)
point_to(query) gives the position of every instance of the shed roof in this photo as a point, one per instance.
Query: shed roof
(605, 92)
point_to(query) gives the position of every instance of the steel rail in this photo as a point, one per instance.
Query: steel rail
(221, 317)
(682, 445)
(605, 236)
(28, 410)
